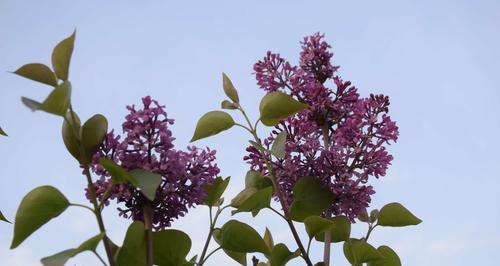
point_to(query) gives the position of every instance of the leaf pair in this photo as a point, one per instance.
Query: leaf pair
(339, 228)
(147, 182)
(358, 252)
(170, 247)
(61, 58)
(83, 141)
(256, 195)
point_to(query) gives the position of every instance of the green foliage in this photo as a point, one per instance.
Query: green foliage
(215, 191)
(38, 207)
(93, 133)
(310, 197)
(2, 132)
(60, 259)
(61, 56)
(133, 251)
(2, 218)
(281, 255)
(38, 72)
(268, 239)
(396, 215)
(211, 124)
(118, 174)
(240, 237)
(317, 225)
(341, 230)
(71, 134)
(358, 251)
(278, 148)
(228, 105)
(170, 247)
(56, 103)
(390, 257)
(229, 89)
(147, 182)
(256, 195)
(276, 106)
(240, 257)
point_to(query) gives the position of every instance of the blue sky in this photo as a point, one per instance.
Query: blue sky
(437, 60)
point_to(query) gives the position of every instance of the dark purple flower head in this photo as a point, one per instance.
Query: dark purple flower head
(340, 138)
(148, 144)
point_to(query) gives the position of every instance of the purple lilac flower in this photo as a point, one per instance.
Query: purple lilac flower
(148, 144)
(357, 129)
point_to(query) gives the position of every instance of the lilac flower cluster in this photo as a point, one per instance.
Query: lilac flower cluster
(148, 144)
(341, 138)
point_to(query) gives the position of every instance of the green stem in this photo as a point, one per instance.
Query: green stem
(100, 258)
(213, 221)
(210, 254)
(328, 214)
(370, 229)
(82, 206)
(279, 193)
(148, 223)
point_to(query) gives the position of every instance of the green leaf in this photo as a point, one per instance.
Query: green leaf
(31, 104)
(93, 133)
(390, 257)
(240, 257)
(278, 148)
(38, 72)
(133, 251)
(212, 123)
(38, 207)
(276, 106)
(268, 239)
(62, 257)
(396, 215)
(170, 247)
(61, 56)
(117, 173)
(339, 232)
(215, 191)
(56, 103)
(281, 255)
(148, 182)
(316, 225)
(310, 197)
(240, 237)
(358, 251)
(228, 105)
(2, 218)
(256, 180)
(2, 132)
(255, 201)
(229, 89)
(69, 134)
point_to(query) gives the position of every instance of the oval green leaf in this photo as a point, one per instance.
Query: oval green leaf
(38, 72)
(62, 257)
(170, 247)
(239, 257)
(69, 130)
(396, 215)
(228, 105)
(317, 225)
(117, 173)
(93, 133)
(255, 202)
(281, 255)
(240, 237)
(278, 148)
(341, 231)
(276, 106)
(61, 56)
(229, 88)
(358, 251)
(133, 251)
(211, 124)
(148, 182)
(310, 197)
(215, 191)
(391, 258)
(38, 207)
(56, 103)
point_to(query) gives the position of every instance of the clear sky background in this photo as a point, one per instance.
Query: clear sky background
(437, 60)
